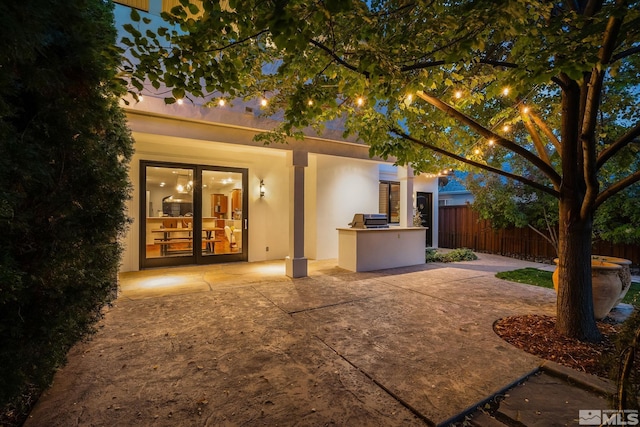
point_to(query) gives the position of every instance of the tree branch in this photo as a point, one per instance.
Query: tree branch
(622, 142)
(625, 53)
(237, 42)
(616, 188)
(545, 237)
(430, 64)
(532, 158)
(394, 11)
(546, 130)
(421, 66)
(488, 168)
(535, 137)
(592, 105)
(337, 58)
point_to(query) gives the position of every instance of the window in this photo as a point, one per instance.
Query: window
(136, 4)
(389, 201)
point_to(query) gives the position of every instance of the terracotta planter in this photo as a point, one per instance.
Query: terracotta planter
(606, 285)
(625, 272)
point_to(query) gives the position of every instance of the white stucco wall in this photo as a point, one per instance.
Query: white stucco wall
(343, 187)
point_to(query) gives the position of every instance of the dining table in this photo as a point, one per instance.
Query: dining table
(208, 236)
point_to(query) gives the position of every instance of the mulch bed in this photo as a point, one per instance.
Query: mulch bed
(536, 334)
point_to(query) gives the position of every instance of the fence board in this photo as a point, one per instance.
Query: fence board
(461, 227)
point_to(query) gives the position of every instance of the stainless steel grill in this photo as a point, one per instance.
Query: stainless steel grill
(369, 221)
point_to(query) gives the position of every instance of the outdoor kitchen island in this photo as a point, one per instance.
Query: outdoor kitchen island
(367, 249)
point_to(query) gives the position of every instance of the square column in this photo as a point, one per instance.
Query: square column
(407, 203)
(296, 263)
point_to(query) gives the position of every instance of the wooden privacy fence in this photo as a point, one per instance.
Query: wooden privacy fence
(461, 227)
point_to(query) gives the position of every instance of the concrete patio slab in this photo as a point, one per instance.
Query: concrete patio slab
(241, 346)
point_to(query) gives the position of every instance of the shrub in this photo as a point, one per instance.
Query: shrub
(64, 156)
(456, 255)
(614, 361)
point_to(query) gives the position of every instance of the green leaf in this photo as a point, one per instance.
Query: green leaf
(177, 92)
(193, 9)
(134, 15)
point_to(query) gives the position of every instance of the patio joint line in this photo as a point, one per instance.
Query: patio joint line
(304, 310)
(393, 395)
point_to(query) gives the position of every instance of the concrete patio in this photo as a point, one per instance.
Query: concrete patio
(242, 344)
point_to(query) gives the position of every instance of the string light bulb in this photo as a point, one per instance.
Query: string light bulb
(505, 91)
(140, 98)
(506, 128)
(360, 101)
(180, 101)
(221, 102)
(264, 102)
(476, 151)
(491, 142)
(458, 94)
(525, 110)
(310, 102)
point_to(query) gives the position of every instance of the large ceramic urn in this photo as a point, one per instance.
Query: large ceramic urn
(606, 285)
(625, 272)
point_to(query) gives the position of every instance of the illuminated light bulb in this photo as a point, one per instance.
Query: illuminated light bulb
(263, 102)
(506, 128)
(221, 102)
(525, 110)
(310, 103)
(491, 142)
(409, 97)
(140, 98)
(458, 94)
(476, 151)
(180, 101)
(360, 101)
(505, 91)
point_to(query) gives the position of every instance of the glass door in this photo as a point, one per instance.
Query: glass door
(223, 213)
(192, 214)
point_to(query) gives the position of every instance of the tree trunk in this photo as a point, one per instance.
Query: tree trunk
(574, 308)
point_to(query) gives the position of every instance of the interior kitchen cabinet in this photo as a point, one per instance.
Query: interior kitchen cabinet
(236, 203)
(219, 205)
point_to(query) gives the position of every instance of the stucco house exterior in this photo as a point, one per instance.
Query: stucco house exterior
(452, 191)
(198, 176)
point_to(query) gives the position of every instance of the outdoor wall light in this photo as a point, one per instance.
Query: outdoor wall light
(261, 188)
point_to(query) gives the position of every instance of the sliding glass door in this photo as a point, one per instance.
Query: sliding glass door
(223, 213)
(192, 214)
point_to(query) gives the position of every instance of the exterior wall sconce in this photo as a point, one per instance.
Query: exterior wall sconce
(261, 188)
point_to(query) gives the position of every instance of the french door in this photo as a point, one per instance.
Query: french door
(424, 203)
(192, 214)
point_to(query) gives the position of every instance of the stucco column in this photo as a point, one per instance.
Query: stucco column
(405, 175)
(296, 263)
